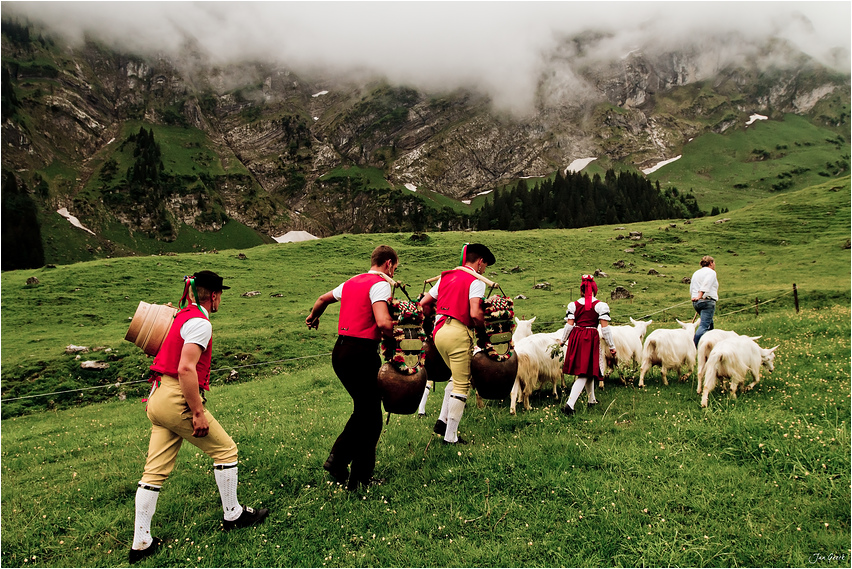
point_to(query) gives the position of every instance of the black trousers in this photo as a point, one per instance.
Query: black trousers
(356, 362)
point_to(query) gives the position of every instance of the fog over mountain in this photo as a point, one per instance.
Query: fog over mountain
(501, 48)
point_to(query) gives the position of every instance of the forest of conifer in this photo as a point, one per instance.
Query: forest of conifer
(575, 200)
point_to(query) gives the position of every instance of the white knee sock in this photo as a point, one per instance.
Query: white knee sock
(146, 505)
(226, 480)
(576, 390)
(455, 409)
(421, 410)
(590, 390)
(447, 391)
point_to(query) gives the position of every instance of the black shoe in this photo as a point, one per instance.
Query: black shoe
(592, 404)
(461, 441)
(339, 473)
(421, 415)
(567, 409)
(248, 518)
(354, 484)
(137, 555)
(440, 428)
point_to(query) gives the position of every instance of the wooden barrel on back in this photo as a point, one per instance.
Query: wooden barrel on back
(150, 325)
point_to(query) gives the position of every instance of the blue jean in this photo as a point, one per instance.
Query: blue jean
(705, 309)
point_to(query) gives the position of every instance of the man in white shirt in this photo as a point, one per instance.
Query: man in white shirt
(704, 290)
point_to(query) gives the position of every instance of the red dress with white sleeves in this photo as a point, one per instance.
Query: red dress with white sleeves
(584, 344)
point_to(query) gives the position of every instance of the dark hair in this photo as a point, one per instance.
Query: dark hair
(382, 254)
(477, 251)
(203, 294)
(706, 260)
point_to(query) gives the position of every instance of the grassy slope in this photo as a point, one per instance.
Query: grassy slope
(624, 485)
(712, 164)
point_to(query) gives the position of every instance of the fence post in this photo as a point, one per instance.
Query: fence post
(796, 297)
(756, 303)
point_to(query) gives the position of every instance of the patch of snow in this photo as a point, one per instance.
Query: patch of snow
(320, 94)
(485, 192)
(294, 237)
(466, 202)
(578, 164)
(756, 117)
(316, 118)
(411, 187)
(74, 221)
(661, 164)
(111, 140)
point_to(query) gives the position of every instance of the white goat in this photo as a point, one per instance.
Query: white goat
(734, 358)
(669, 349)
(523, 328)
(706, 344)
(536, 367)
(628, 347)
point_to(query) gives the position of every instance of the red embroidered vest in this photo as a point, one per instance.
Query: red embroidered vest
(168, 358)
(454, 296)
(586, 317)
(356, 309)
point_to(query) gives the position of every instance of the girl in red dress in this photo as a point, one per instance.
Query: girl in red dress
(581, 333)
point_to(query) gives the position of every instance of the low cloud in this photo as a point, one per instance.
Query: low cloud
(499, 47)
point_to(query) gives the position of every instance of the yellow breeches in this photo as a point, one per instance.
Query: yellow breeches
(171, 423)
(455, 341)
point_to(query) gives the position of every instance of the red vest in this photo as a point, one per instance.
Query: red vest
(356, 309)
(168, 358)
(586, 316)
(454, 296)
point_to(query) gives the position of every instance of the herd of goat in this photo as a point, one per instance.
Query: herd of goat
(720, 354)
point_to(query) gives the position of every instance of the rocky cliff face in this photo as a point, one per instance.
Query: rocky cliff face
(276, 132)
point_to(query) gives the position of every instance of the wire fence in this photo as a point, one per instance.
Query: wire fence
(125, 383)
(644, 315)
(285, 360)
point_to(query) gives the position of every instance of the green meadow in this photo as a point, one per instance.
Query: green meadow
(647, 478)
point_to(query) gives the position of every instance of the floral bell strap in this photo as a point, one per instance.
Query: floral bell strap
(499, 325)
(406, 350)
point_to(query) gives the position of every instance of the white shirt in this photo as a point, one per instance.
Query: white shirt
(381, 291)
(602, 308)
(197, 331)
(704, 280)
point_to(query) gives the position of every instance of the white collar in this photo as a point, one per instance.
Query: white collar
(202, 309)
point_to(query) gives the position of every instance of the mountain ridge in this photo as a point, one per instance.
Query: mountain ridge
(271, 134)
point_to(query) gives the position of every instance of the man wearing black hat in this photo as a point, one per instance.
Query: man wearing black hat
(456, 299)
(176, 411)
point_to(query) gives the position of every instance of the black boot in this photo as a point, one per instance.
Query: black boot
(338, 471)
(440, 428)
